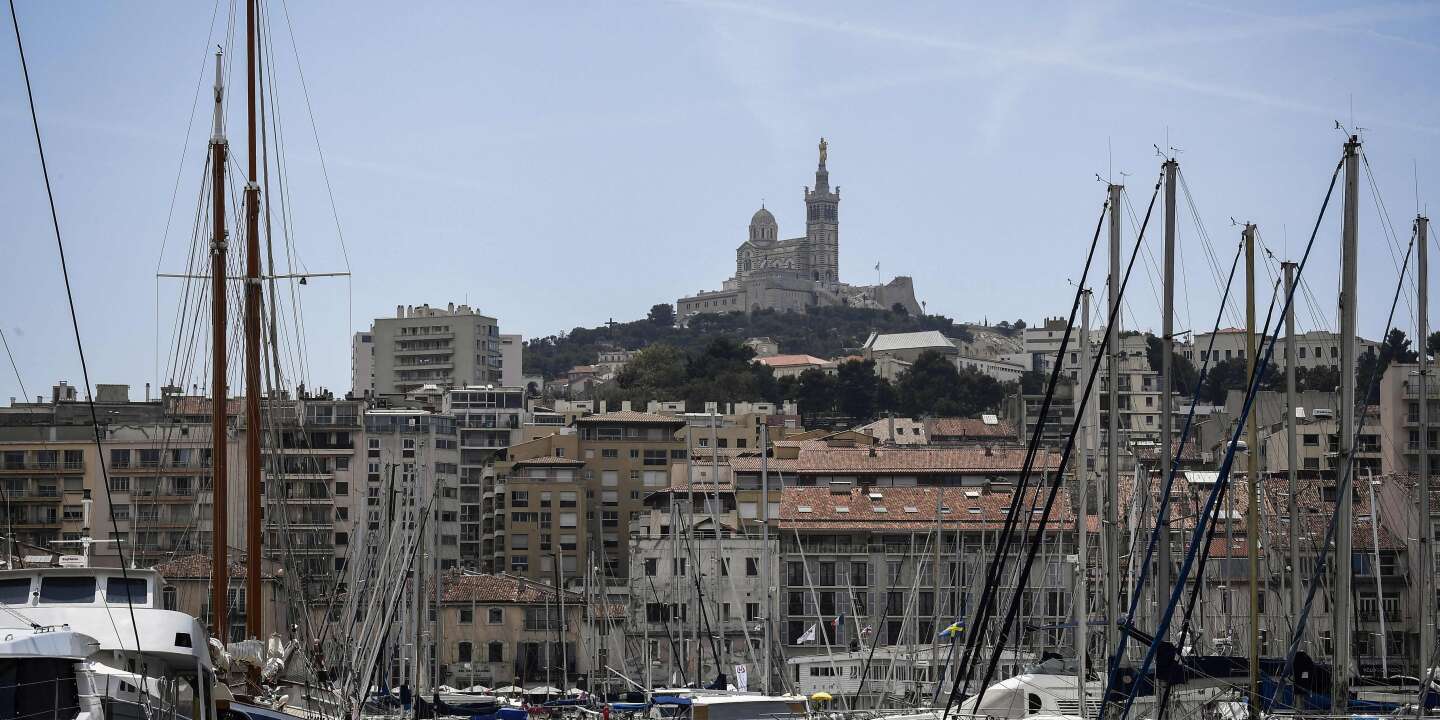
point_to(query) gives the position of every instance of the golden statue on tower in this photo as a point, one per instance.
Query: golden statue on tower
(824, 146)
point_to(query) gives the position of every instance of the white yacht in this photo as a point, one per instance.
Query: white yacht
(82, 643)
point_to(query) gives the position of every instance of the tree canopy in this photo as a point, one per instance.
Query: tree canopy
(820, 331)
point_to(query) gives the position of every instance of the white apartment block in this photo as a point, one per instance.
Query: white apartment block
(1316, 348)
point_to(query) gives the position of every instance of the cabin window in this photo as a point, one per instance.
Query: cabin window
(15, 591)
(67, 590)
(119, 590)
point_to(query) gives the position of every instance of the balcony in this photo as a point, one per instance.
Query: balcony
(43, 495)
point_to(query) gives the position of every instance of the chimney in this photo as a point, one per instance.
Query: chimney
(399, 311)
(450, 307)
(989, 451)
(625, 405)
(147, 392)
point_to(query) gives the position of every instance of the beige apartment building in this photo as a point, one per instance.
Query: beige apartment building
(502, 629)
(570, 498)
(447, 347)
(1400, 419)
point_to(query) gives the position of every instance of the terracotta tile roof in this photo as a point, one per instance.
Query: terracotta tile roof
(967, 428)
(192, 567)
(630, 416)
(1191, 454)
(196, 405)
(909, 508)
(921, 460)
(1188, 499)
(549, 461)
(500, 588)
(752, 464)
(791, 360)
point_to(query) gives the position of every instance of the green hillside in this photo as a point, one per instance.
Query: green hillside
(823, 332)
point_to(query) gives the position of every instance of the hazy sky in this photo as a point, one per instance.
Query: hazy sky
(561, 164)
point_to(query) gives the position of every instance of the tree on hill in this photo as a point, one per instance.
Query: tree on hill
(1183, 375)
(662, 314)
(819, 331)
(932, 386)
(722, 372)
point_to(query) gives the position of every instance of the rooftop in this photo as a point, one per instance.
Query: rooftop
(501, 588)
(630, 416)
(909, 341)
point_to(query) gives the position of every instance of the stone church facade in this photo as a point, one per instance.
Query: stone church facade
(793, 274)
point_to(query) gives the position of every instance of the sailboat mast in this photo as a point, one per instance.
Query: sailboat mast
(1427, 578)
(1252, 476)
(1110, 527)
(254, 605)
(765, 553)
(1167, 414)
(1345, 501)
(1082, 519)
(1292, 452)
(219, 513)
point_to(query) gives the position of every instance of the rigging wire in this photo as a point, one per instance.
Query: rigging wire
(987, 599)
(1211, 507)
(79, 344)
(1118, 287)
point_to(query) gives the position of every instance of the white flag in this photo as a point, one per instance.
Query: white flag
(807, 636)
(742, 678)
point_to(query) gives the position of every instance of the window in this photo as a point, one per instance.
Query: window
(496, 652)
(651, 566)
(752, 567)
(342, 488)
(15, 591)
(342, 463)
(519, 563)
(465, 651)
(59, 589)
(519, 498)
(609, 453)
(752, 611)
(495, 616)
(120, 484)
(519, 542)
(568, 520)
(342, 538)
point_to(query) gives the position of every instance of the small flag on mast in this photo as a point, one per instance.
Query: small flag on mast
(807, 636)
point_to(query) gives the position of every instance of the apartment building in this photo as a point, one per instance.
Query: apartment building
(1400, 419)
(412, 463)
(447, 347)
(1139, 405)
(489, 419)
(1316, 348)
(502, 629)
(859, 567)
(570, 498)
(362, 364)
(694, 535)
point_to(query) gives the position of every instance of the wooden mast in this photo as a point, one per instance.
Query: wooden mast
(254, 602)
(219, 522)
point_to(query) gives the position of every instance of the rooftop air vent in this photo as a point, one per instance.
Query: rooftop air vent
(803, 508)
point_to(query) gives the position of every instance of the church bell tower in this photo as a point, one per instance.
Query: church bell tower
(822, 225)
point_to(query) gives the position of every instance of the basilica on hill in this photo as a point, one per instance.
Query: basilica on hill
(799, 272)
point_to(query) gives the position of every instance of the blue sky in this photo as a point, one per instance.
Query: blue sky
(562, 164)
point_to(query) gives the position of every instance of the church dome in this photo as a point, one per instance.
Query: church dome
(762, 218)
